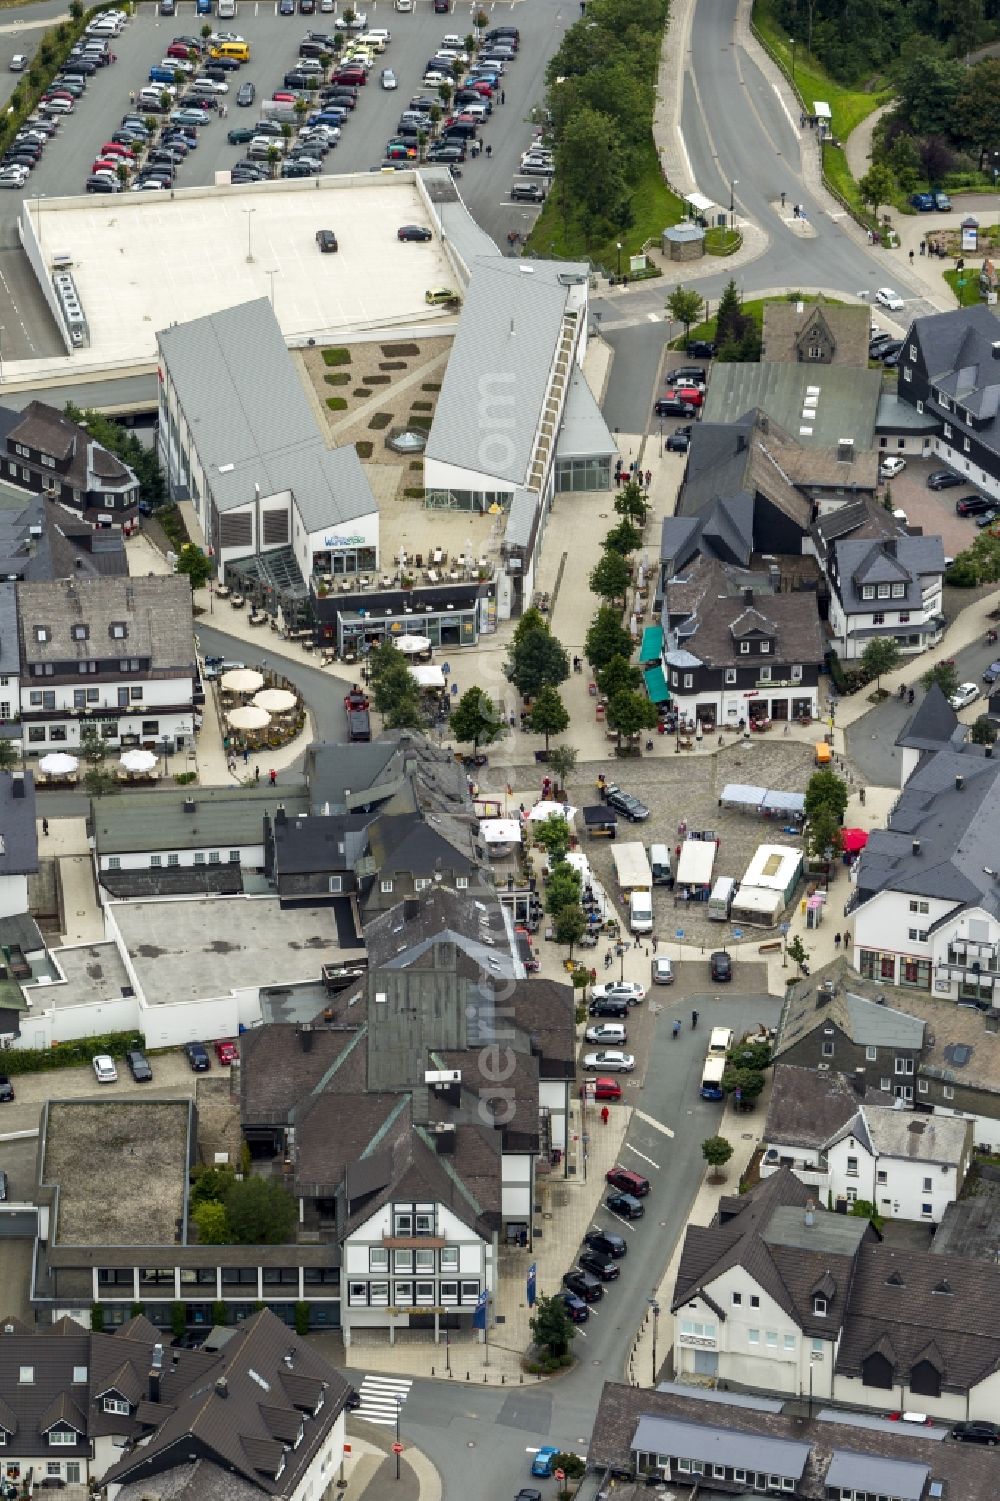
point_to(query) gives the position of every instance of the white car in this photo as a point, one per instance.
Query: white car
(889, 468)
(104, 1068)
(225, 36)
(619, 990)
(610, 1062)
(887, 298)
(14, 176)
(965, 694)
(388, 79)
(663, 971)
(18, 62)
(607, 1032)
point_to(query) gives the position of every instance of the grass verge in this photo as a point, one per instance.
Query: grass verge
(753, 309)
(965, 285)
(654, 209)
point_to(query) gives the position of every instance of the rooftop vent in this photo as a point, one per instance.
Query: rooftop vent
(411, 909)
(959, 783)
(845, 450)
(189, 805)
(222, 1386)
(995, 346)
(916, 846)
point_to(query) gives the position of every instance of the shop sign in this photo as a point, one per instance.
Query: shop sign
(335, 541)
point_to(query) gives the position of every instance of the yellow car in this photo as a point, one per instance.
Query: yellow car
(440, 297)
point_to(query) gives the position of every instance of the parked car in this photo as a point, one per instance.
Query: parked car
(326, 240)
(679, 441)
(624, 1179)
(721, 967)
(701, 349)
(672, 406)
(629, 991)
(987, 518)
(138, 1066)
(663, 971)
(605, 1268)
(623, 802)
(584, 1286)
(6, 1090)
(607, 1032)
(544, 1461)
(977, 1431)
(686, 375)
(972, 505)
(964, 695)
(992, 673)
(612, 1060)
(922, 202)
(413, 232)
(227, 1052)
(887, 298)
(607, 1088)
(197, 1057)
(18, 62)
(576, 1309)
(943, 479)
(240, 135)
(104, 1069)
(625, 1205)
(606, 1243)
(942, 203)
(889, 468)
(609, 1006)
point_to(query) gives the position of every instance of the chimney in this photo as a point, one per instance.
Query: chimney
(306, 1037)
(741, 443)
(280, 816)
(859, 1082)
(222, 1387)
(189, 805)
(916, 846)
(154, 1373)
(845, 450)
(890, 546)
(810, 1215)
(444, 1140)
(996, 349)
(17, 784)
(959, 782)
(748, 596)
(411, 909)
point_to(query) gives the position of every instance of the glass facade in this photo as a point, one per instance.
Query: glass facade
(583, 474)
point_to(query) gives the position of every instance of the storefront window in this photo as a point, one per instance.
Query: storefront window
(868, 964)
(916, 972)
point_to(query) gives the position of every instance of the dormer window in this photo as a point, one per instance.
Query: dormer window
(42, 633)
(745, 648)
(26, 1375)
(118, 630)
(819, 1307)
(765, 647)
(899, 591)
(80, 632)
(884, 591)
(79, 1375)
(868, 591)
(117, 1404)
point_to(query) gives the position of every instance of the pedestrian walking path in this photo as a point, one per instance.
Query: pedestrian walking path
(858, 146)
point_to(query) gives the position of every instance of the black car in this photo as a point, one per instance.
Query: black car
(679, 441)
(607, 1244)
(722, 967)
(683, 375)
(6, 1090)
(944, 479)
(286, 7)
(353, 1401)
(672, 406)
(297, 80)
(972, 505)
(977, 1431)
(326, 240)
(197, 1057)
(138, 1066)
(624, 803)
(576, 1309)
(246, 94)
(297, 169)
(307, 7)
(700, 349)
(584, 1286)
(609, 1006)
(625, 1205)
(101, 185)
(600, 1266)
(413, 232)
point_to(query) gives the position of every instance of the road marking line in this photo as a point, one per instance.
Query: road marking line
(683, 145)
(643, 1156)
(795, 129)
(652, 1121)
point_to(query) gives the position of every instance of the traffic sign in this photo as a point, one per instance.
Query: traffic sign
(679, 933)
(737, 933)
(397, 1448)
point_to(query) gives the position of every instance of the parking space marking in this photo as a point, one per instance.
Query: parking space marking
(627, 1223)
(652, 1121)
(631, 1148)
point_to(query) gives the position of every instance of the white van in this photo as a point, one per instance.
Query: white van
(640, 912)
(404, 5)
(378, 40)
(720, 1042)
(659, 862)
(721, 900)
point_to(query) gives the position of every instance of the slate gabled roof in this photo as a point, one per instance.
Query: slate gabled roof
(932, 723)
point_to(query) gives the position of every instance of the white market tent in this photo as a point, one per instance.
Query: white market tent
(699, 202)
(545, 809)
(500, 830)
(762, 799)
(697, 858)
(429, 676)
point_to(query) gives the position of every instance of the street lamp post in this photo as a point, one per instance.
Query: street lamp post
(398, 1445)
(791, 42)
(656, 1319)
(618, 247)
(249, 213)
(734, 183)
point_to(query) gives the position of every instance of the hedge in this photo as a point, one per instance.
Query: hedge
(336, 403)
(336, 356)
(70, 1054)
(59, 41)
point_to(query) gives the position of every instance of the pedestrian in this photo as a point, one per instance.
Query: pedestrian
(649, 478)
(605, 1115)
(861, 795)
(654, 941)
(607, 959)
(911, 257)
(489, 150)
(45, 826)
(923, 247)
(836, 940)
(131, 97)
(871, 237)
(256, 773)
(503, 96)
(246, 755)
(272, 776)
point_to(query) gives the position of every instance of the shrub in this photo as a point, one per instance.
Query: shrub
(184, 778)
(392, 364)
(97, 1318)
(393, 351)
(69, 1054)
(302, 1318)
(364, 449)
(218, 1312)
(137, 1310)
(379, 421)
(414, 492)
(375, 380)
(420, 422)
(431, 385)
(336, 356)
(336, 403)
(340, 378)
(422, 406)
(178, 1319)
(414, 464)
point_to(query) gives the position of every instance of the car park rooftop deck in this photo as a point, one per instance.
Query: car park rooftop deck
(143, 261)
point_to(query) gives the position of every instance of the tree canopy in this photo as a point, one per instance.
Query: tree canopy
(475, 718)
(548, 714)
(535, 659)
(607, 638)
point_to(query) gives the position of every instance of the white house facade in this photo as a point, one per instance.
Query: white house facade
(866, 1161)
(886, 588)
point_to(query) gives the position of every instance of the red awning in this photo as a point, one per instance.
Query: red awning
(853, 840)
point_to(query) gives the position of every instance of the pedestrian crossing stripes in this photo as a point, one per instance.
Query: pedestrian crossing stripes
(381, 1397)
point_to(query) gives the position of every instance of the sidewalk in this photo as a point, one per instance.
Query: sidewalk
(370, 1472)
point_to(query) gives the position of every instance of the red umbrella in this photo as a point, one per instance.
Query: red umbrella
(853, 840)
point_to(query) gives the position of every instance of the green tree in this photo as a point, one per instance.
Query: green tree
(123, 442)
(475, 719)
(394, 690)
(76, 10)
(753, 1054)
(562, 763)
(623, 538)
(716, 1151)
(749, 1082)
(550, 1326)
(630, 712)
(178, 1320)
(97, 1318)
(610, 578)
(211, 1223)
(535, 659)
(548, 715)
(562, 889)
(619, 676)
(210, 1185)
(572, 1466)
(220, 1313)
(876, 186)
(826, 790)
(686, 306)
(824, 838)
(302, 1319)
(606, 638)
(590, 165)
(945, 675)
(260, 1211)
(928, 87)
(729, 316)
(445, 92)
(192, 561)
(795, 950)
(977, 107)
(553, 836)
(93, 748)
(880, 656)
(629, 503)
(984, 731)
(8, 755)
(569, 924)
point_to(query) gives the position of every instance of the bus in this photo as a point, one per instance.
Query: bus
(711, 1078)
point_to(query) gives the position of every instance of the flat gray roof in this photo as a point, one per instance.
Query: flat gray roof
(253, 423)
(209, 946)
(503, 353)
(121, 1166)
(94, 972)
(846, 400)
(721, 1446)
(871, 1474)
(222, 818)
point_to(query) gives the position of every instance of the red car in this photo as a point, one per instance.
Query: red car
(281, 96)
(357, 77)
(178, 49)
(607, 1089)
(226, 1052)
(114, 148)
(690, 394)
(483, 88)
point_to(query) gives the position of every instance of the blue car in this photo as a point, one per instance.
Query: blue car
(543, 1462)
(161, 75)
(922, 202)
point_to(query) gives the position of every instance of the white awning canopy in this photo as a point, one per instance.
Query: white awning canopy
(821, 109)
(500, 830)
(428, 675)
(699, 202)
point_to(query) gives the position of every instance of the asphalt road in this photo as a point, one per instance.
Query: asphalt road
(323, 694)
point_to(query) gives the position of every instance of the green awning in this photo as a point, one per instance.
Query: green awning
(651, 649)
(656, 686)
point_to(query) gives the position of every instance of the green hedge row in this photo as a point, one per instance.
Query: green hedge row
(68, 1054)
(53, 50)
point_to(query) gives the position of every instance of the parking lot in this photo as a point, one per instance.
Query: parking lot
(934, 510)
(274, 41)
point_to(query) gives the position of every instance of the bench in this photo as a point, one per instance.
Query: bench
(773, 945)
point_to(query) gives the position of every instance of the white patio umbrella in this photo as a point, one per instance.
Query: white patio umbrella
(543, 810)
(242, 680)
(138, 760)
(58, 764)
(249, 717)
(412, 646)
(275, 700)
(429, 676)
